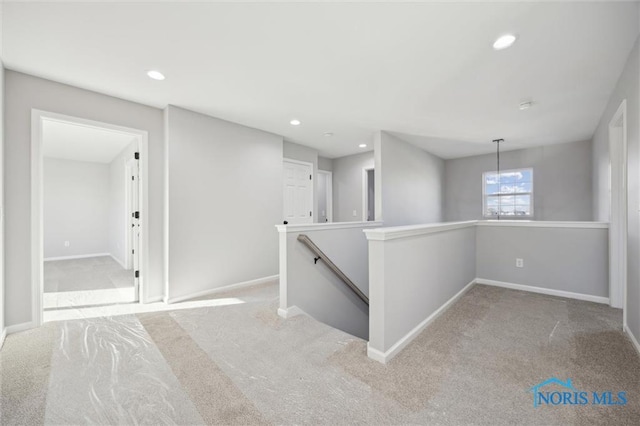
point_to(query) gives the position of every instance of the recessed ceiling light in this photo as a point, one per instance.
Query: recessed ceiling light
(525, 105)
(295, 122)
(362, 145)
(504, 41)
(156, 75)
(328, 134)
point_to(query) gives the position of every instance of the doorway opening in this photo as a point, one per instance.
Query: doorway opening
(368, 195)
(618, 210)
(325, 196)
(88, 202)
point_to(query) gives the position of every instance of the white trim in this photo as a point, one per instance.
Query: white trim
(618, 234)
(636, 345)
(326, 226)
(223, 289)
(544, 224)
(329, 194)
(3, 335)
(290, 312)
(37, 246)
(17, 328)
(547, 291)
(392, 233)
(384, 357)
(155, 299)
(79, 256)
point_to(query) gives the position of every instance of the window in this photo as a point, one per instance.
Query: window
(509, 193)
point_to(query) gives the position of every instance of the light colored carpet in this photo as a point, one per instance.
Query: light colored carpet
(241, 364)
(92, 273)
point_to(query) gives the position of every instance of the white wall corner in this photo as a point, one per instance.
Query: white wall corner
(633, 339)
(3, 335)
(17, 328)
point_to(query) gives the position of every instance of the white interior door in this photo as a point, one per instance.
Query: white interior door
(298, 192)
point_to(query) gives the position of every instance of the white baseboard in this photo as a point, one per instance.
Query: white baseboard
(3, 335)
(118, 261)
(384, 357)
(290, 312)
(541, 290)
(633, 338)
(17, 328)
(222, 289)
(78, 256)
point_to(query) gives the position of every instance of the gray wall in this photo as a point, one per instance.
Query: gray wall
(566, 259)
(408, 183)
(24, 92)
(627, 88)
(561, 181)
(2, 212)
(325, 164)
(76, 207)
(225, 196)
(413, 277)
(347, 186)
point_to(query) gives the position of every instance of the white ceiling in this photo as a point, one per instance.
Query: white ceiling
(82, 143)
(426, 70)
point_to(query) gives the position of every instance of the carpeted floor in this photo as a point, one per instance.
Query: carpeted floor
(92, 273)
(241, 364)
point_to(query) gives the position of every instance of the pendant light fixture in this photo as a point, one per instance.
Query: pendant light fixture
(497, 142)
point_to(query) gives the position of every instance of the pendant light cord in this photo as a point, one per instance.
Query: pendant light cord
(497, 142)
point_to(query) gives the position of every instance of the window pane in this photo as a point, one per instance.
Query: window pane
(491, 189)
(523, 187)
(507, 188)
(492, 201)
(506, 210)
(507, 200)
(523, 200)
(510, 177)
(523, 210)
(526, 176)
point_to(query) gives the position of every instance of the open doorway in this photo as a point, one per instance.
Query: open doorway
(325, 196)
(368, 192)
(86, 213)
(618, 211)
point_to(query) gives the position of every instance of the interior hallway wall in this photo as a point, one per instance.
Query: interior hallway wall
(76, 208)
(561, 181)
(118, 214)
(408, 182)
(22, 94)
(348, 186)
(225, 196)
(2, 210)
(628, 87)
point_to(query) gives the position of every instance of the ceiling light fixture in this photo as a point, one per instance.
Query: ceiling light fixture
(328, 134)
(525, 105)
(156, 75)
(504, 41)
(294, 122)
(362, 145)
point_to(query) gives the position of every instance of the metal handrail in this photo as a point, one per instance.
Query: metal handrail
(314, 248)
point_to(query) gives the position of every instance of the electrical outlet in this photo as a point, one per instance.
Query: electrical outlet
(519, 263)
(66, 244)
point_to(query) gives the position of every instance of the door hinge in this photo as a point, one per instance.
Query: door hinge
(136, 156)
(309, 214)
(136, 215)
(133, 178)
(137, 274)
(309, 177)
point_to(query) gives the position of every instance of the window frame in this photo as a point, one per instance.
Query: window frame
(485, 195)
